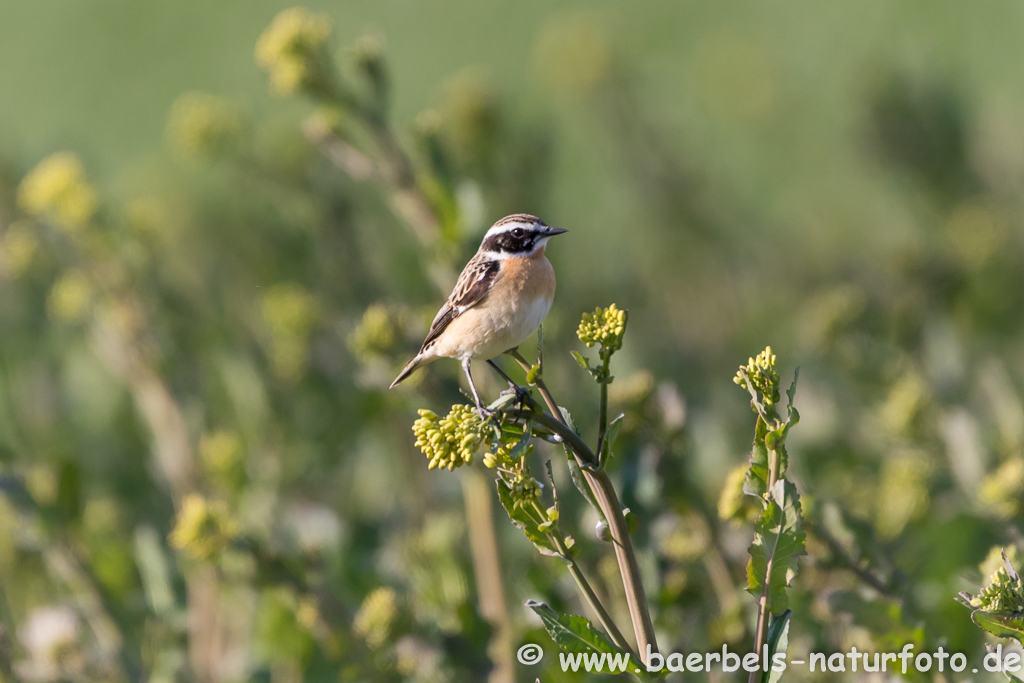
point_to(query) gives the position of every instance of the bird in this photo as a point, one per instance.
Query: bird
(500, 299)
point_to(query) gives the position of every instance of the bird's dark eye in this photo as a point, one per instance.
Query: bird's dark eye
(518, 233)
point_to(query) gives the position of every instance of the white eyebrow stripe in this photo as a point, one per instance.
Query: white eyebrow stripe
(507, 227)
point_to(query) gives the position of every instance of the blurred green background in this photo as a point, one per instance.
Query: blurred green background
(205, 476)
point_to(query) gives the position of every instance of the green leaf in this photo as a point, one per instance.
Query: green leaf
(524, 442)
(571, 633)
(611, 433)
(522, 519)
(756, 483)
(575, 471)
(533, 374)
(581, 360)
(1001, 627)
(502, 401)
(777, 641)
(778, 542)
(794, 416)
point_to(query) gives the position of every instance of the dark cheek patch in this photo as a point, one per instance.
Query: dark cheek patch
(505, 242)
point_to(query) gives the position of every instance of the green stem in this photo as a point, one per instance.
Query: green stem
(585, 588)
(608, 501)
(602, 426)
(763, 607)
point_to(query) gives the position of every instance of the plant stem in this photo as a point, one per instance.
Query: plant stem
(588, 591)
(608, 501)
(602, 425)
(487, 569)
(763, 608)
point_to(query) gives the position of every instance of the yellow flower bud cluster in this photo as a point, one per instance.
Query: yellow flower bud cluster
(525, 489)
(1004, 595)
(763, 375)
(292, 51)
(503, 454)
(203, 528)
(57, 189)
(605, 326)
(450, 441)
(200, 123)
(376, 617)
(70, 297)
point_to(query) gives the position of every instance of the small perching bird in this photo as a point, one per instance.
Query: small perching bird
(502, 296)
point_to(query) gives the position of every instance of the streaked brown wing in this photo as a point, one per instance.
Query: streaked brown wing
(473, 284)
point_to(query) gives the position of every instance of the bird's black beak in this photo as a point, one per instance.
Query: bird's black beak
(550, 232)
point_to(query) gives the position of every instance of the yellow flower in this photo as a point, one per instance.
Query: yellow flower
(376, 617)
(291, 49)
(203, 528)
(18, 247)
(57, 189)
(450, 441)
(200, 123)
(70, 297)
(605, 326)
(763, 375)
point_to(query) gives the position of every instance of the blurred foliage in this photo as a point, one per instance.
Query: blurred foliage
(204, 477)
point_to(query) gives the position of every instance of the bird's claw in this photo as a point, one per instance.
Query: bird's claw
(522, 394)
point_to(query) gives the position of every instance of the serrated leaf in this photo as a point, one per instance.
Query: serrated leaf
(777, 641)
(1001, 627)
(571, 633)
(778, 542)
(522, 520)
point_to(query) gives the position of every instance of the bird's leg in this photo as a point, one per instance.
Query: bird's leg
(511, 384)
(472, 387)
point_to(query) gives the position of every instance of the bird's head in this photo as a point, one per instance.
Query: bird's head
(517, 235)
